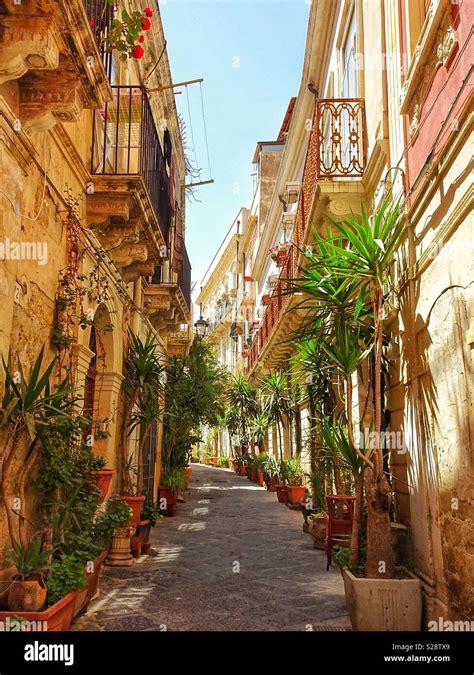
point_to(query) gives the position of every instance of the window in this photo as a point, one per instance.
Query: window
(348, 60)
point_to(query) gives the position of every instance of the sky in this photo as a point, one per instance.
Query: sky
(250, 54)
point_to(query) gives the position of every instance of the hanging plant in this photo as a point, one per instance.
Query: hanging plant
(126, 32)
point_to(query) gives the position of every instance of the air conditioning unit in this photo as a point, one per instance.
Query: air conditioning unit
(288, 220)
(292, 192)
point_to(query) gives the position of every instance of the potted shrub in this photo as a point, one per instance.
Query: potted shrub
(103, 477)
(260, 464)
(27, 592)
(241, 463)
(129, 494)
(171, 483)
(271, 473)
(294, 476)
(67, 575)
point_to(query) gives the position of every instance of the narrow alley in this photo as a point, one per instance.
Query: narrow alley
(232, 559)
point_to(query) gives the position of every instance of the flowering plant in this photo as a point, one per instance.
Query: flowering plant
(274, 251)
(126, 33)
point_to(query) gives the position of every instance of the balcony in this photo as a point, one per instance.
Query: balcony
(335, 164)
(168, 302)
(56, 52)
(130, 201)
(332, 183)
(180, 341)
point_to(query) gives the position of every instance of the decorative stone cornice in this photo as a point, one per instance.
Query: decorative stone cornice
(28, 43)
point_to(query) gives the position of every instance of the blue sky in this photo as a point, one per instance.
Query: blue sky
(250, 53)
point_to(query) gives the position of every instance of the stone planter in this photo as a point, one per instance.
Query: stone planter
(318, 530)
(119, 554)
(383, 604)
(56, 618)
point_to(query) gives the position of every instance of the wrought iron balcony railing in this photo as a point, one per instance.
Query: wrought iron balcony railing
(100, 15)
(125, 142)
(341, 148)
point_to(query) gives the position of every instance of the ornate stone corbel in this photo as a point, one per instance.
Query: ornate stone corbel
(28, 43)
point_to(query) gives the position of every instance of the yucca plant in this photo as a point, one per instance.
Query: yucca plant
(28, 405)
(277, 403)
(242, 398)
(143, 370)
(29, 560)
(347, 275)
(259, 430)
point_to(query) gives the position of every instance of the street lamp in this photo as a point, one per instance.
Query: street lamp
(201, 324)
(201, 327)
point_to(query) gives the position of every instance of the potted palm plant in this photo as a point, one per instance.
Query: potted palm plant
(295, 489)
(359, 257)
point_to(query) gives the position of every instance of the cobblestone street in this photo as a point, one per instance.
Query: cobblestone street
(191, 583)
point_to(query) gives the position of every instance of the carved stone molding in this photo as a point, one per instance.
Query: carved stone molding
(27, 43)
(46, 98)
(446, 45)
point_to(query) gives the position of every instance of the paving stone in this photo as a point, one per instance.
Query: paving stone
(232, 559)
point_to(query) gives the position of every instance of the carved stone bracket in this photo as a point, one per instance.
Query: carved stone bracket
(49, 97)
(27, 43)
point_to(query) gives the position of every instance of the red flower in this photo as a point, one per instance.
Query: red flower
(146, 23)
(141, 38)
(148, 12)
(137, 52)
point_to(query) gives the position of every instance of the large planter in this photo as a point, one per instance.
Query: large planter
(318, 530)
(167, 500)
(383, 604)
(56, 618)
(28, 595)
(242, 470)
(282, 494)
(260, 478)
(103, 478)
(296, 493)
(93, 578)
(136, 504)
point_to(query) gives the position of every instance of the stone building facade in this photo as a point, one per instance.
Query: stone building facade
(394, 80)
(92, 195)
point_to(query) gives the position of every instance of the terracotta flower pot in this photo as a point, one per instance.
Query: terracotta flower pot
(103, 479)
(136, 504)
(266, 299)
(271, 484)
(167, 500)
(282, 494)
(93, 579)
(188, 471)
(242, 470)
(56, 618)
(138, 538)
(28, 595)
(260, 478)
(281, 258)
(295, 493)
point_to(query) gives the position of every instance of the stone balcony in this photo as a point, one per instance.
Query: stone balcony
(168, 302)
(55, 50)
(179, 342)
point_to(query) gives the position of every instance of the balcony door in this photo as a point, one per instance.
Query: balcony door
(349, 90)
